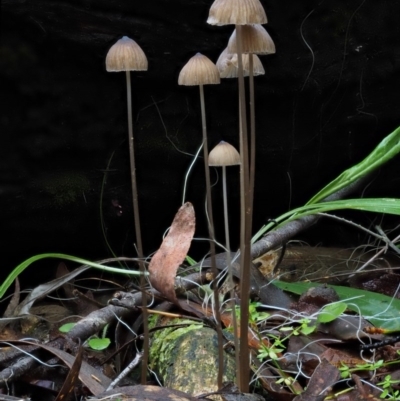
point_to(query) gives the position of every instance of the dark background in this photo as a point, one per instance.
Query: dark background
(329, 95)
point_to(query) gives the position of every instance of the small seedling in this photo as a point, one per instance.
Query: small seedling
(65, 328)
(99, 344)
(287, 381)
(346, 371)
(305, 328)
(95, 343)
(270, 352)
(255, 316)
(331, 312)
(389, 392)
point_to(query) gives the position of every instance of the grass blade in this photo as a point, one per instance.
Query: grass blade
(22, 266)
(387, 148)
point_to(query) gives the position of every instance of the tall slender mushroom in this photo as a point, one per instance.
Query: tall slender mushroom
(126, 55)
(241, 12)
(228, 68)
(256, 40)
(227, 65)
(200, 70)
(224, 155)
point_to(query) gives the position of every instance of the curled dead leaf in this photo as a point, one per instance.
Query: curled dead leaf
(172, 252)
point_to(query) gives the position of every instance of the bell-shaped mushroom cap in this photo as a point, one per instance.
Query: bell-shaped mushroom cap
(238, 12)
(258, 68)
(223, 154)
(255, 39)
(126, 55)
(227, 65)
(199, 70)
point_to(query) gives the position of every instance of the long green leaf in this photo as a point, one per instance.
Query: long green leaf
(377, 205)
(380, 310)
(387, 148)
(22, 266)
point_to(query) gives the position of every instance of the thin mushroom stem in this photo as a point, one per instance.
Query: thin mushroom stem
(252, 138)
(226, 222)
(244, 371)
(133, 168)
(212, 241)
(229, 263)
(137, 231)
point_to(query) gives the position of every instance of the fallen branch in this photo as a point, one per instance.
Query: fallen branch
(276, 238)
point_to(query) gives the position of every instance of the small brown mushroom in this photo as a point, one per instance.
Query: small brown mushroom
(255, 39)
(126, 55)
(200, 70)
(239, 12)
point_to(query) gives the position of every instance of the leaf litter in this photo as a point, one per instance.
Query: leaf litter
(309, 352)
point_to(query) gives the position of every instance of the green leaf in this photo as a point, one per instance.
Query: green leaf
(387, 148)
(306, 330)
(190, 260)
(331, 312)
(22, 266)
(99, 344)
(65, 328)
(380, 310)
(377, 205)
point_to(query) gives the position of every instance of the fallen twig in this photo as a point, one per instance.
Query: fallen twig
(281, 235)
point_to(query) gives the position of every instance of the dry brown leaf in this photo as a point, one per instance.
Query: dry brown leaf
(72, 378)
(172, 252)
(324, 376)
(91, 377)
(9, 312)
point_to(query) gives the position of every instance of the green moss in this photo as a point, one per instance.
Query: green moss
(186, 358)
(164, 340)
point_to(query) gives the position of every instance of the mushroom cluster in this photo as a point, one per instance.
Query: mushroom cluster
(250, 38)
(238, 60)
